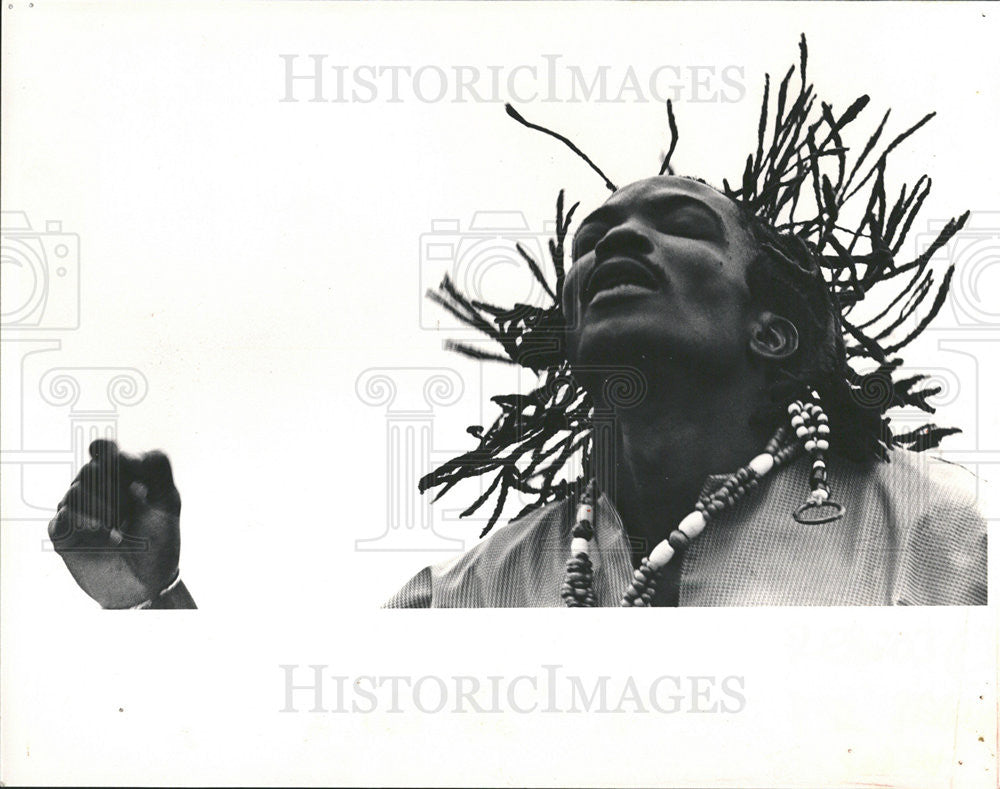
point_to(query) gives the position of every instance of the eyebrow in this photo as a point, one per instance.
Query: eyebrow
(658, 203)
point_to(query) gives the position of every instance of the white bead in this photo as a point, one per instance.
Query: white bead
(810, 445)
(693, 524)
(797, 421)
(579, 545)
(794, 408)
(762, 464)
(819, 495)
(802, 432)
(584, 513)
(661, 555)
(822, 445)
(823, 430)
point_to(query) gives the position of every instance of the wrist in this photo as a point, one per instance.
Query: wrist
(173, 595)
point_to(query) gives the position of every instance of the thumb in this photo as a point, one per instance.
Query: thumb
(154, 472)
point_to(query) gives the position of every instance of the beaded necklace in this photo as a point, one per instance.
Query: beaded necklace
(811, 434)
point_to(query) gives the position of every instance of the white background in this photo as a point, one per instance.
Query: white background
(253, 258)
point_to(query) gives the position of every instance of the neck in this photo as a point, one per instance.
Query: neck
(664, 449)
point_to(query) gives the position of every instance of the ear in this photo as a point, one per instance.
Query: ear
(773, 337)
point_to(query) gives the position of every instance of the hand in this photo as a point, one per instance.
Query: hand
(118, 527)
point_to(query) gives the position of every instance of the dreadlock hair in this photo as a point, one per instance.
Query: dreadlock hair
(786, 277)
(814, 271)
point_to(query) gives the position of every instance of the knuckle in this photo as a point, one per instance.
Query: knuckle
(102, 447)
(61, 528)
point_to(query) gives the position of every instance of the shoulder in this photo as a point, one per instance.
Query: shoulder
(927, 483)
(477, 577)
(938, 512)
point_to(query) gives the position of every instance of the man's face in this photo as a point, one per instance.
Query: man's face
(660, 274)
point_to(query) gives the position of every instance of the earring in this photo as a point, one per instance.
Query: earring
(812, 427)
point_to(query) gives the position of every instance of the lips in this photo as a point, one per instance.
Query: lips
(619, 271)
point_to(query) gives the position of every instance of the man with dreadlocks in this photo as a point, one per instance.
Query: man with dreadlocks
(697, 360)
(701, 331)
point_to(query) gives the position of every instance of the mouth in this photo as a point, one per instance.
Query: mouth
(621, 276)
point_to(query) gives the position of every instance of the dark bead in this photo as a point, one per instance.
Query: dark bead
(678, 540)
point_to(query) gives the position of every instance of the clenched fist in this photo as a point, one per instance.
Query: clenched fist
(118, 530)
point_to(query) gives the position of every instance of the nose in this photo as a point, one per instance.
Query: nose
(628, 238)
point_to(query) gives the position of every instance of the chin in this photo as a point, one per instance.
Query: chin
(629, 341)
(620, 341)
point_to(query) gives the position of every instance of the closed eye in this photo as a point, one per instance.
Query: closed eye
(688, 221)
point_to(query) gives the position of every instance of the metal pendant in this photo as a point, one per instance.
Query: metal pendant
(813, 513)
